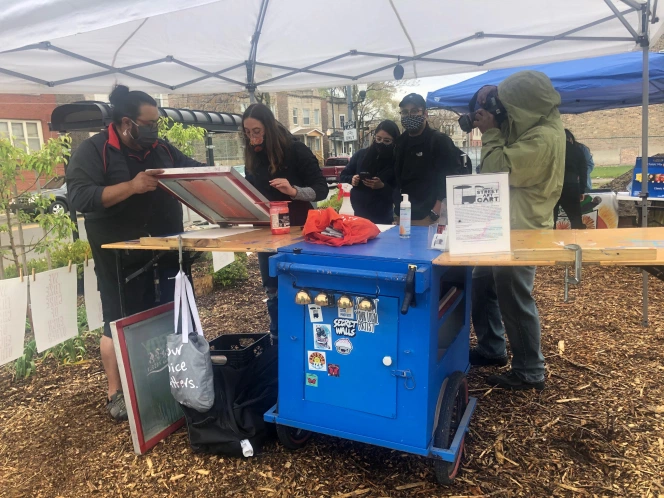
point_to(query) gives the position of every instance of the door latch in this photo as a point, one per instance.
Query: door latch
(409, 295)
(407, 375)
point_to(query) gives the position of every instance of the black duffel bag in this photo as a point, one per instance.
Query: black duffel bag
(242, 396)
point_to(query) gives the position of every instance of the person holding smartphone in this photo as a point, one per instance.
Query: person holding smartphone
(371, 173)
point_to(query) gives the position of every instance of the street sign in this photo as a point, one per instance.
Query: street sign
(349, 125)
(350, 135)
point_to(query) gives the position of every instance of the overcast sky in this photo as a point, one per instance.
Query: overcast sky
(426, 85)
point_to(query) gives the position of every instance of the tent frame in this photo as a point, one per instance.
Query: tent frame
(252, 61)
(641, 38)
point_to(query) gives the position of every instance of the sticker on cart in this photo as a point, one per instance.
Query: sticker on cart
(343, 346)
(316, 360)
(366, 320)
(315, 313)
(343, 326)
(312, 380)
(322, 336)
(346, 313)
(333, 370)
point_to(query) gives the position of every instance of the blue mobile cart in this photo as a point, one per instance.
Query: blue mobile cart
(387, 369)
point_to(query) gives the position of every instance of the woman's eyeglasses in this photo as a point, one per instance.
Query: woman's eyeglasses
(253, 133)
(386, 141)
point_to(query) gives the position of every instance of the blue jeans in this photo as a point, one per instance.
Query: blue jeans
(270, 284)
(504, 294)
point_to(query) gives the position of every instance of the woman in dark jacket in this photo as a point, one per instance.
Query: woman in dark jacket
(371, 173)
(574, 184)
(282, 169)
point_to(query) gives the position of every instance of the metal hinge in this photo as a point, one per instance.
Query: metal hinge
(578, 262)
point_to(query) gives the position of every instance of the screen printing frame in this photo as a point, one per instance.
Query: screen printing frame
(237, 201)
(141, 445)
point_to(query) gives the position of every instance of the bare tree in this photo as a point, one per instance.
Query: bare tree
(443, 120)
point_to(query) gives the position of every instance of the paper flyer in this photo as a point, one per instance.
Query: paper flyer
(478, 212)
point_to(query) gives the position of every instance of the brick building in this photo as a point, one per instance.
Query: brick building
(306, 113)
(24, 120)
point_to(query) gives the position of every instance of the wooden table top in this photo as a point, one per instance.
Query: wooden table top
(255, 240)
(609, 247)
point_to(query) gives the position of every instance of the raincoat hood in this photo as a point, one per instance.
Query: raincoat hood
(530, 146)
(530, 100)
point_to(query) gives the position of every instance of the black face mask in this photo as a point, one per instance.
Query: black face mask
(385, 149)
(146, 135)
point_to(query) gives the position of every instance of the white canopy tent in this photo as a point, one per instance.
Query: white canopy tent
(203, 46)
(216, 46)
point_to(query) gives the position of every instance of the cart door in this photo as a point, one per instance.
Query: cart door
(350, 357)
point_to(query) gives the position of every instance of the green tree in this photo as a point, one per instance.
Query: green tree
(14, 163)
(182, 137)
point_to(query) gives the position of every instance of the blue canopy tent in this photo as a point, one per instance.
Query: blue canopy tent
(584, 85)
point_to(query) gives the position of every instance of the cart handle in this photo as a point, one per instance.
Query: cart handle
(421, 275)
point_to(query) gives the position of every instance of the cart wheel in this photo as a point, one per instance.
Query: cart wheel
(452, 409)
(292, 437)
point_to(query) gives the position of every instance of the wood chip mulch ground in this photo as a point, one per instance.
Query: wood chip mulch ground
(596, 430)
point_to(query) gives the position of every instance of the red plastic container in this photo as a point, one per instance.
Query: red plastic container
(279, 217)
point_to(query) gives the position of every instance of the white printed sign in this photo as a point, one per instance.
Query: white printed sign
(478, 213)
(13, 306)
(315, 313)
(346, 313)
(222, 259)
(53, 298)
(92, 297)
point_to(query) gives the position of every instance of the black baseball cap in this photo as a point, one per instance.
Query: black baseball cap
(415, 99)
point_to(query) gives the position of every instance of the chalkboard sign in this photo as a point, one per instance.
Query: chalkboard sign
(140, 347)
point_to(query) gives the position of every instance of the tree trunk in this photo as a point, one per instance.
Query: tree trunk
(21, 240)
(48, 253)
(11, 237)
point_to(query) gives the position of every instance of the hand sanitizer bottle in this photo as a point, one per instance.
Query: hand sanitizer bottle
(404, 217)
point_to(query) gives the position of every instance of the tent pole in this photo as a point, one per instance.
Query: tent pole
(645, 44)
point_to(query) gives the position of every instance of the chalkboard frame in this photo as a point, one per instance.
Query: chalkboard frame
(122, 354)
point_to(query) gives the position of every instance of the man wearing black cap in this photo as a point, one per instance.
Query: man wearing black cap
(423, 158)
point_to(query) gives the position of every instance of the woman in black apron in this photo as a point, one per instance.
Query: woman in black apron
(107, 182)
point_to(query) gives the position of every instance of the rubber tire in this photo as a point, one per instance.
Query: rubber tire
(65, 208)
(452, 408)
(289, 437)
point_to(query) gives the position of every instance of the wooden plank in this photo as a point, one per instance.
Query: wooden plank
(260, 240)
(620, 246)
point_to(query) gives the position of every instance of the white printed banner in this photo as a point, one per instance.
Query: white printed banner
(92, 297)
(53, 299)
(13, 307)
(221, 260)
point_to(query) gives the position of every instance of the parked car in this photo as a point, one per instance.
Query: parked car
(333, 168)
(55, 190)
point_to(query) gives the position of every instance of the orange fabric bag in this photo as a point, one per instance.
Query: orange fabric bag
(355, 230)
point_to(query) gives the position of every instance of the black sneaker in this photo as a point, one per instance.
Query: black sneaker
(116, 407)
(479, 360)
(512, 381)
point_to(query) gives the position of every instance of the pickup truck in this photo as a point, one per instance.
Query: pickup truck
(333, 168)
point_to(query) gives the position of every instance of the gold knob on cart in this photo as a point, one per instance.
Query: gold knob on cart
(345, 302)
(324, 300)
(365, 305)
(302, 297)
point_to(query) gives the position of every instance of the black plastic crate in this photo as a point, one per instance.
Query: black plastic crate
(239, 349)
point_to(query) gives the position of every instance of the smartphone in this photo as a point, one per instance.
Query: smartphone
(365, 175)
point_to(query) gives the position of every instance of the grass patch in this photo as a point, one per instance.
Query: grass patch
(609, 171)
